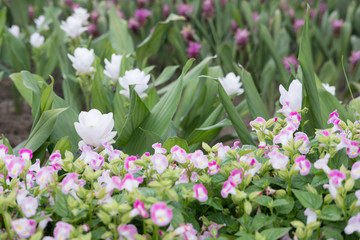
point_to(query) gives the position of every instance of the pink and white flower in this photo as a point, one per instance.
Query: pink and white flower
(292, 97)
(127, 231)
(139, 209)
(36, 166)
(293, 120)
(130, 166)
(214, 168)
(43, 177)
(199, 159)
(353, 225)
(336, 177)
(158, 149)
(3, 151)
(55, 160)
(128, 182)
(332, 190)
(355, 170)
(323, 163)
(228, 188)
(15, 167)
(26, 154)
(357, 194)
(161, 215)
(304, 149)
(278, 160)
(303, 165)
(236, 176)
(29, 206)
(200, 192)
(353, 149)
(179, 154)
(96, 161)
(187, 231)
(62, 230)
(69, 183)
(116, 154)
(222, 150)
(311, 216)
(184, 178)
(284, 136)
(259, 125)
(23, 227)
(160, 162)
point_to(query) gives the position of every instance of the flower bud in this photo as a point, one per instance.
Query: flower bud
(313, 225)
(258, 236)
(247, 180)
(270, 122)
(254, 195)
(171, 193)
(328, 199)
(311, 189)
(206, 147)
(204, 179)
(239, 196)
(297, 224)
(300, 233)
(101, 194)
(247, 207)
(349, 184)
(123, 208)
(339, 201)
(283, 174)
(104, 217)
(280, 193)
(115, 170)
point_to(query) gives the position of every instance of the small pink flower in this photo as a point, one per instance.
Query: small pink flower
(166, 11)
(357, 194)
(334, 118)
(269, 191)
(355, 57)
(200, 192)
(23, 227)
(283, 137)
(128, 183)
(311, 215)
(158, 149)
(336, 177)
(141, 15)
(184, 178)
(161, 215)
(336, 26)
(193, 50)
(3, 150)
(355, 170)
(43, 177)
(188, 33)
(194, 177)
(236, 176)
(15, 167)
(26, 154)
(298, 24)
(36, 166)
(228, 187)
(278, 160)
(199, 159)
(160, 162)
(332, 190)
(130, 166)
(353, 225)
(303, 165)
(96, 161)
(179, 154)
(139, 209)
(234, 26)
(187, 231)
(293, 120)
(86, 227)
(214, 168)
(323, 164)
(222, 150)
(30, 176)
(29, 206)
(127, 232)
(353, 149)
(290, 60)
(116, 154)
(62, 230)
(241, 38)
(304, 149)
(259, 125)
(55, 160)
(208, 9)
(184, 10)
(69, 183)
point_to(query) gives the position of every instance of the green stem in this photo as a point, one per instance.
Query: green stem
(156, 233)
(91, 204)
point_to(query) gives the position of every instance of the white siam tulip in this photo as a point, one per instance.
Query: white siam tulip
(82, 15)
(39, 22)
(72, 27)
(82, 60)
(231, 84)
(137, 78)
(15, 31)
(95, 128)
(112, 69)
(330, 89)
(293, 97)
(36, 40)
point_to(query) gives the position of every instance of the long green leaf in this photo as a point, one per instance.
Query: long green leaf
(165, 75)
(99, 99)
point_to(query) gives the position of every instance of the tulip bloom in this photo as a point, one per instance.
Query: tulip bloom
(82, 60)
(72, 27)
(36, 40)
(23, 227)
(161, 215)
(292, 97)
(137, 78)
(112, 69)
(200, 192)
(232, 84)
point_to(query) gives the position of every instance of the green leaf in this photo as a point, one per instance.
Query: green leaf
(99, 99)
(330, 213)
(261, 220)
(152, 43)
(61, 205)
(18, 52)
(177, 217)
(43, 128)
(234, 116)
(172, 141)
(120, 109)
(63, 145)
(5, 141)
(47, 97)
(165, 75)
(119, 36)
(307, 199)
(275, 233)
(307, 66)
(216, 203)
(284, 205)
(264, 200)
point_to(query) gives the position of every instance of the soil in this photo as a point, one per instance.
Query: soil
(15, 127)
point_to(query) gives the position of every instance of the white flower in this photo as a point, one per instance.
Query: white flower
(40, 23)
(95, 128)
(82, 15)
(231, 84)
(293, 97)
(137, 78)
(330, 89)
(311, 215)
(72, 27)
(112, 69)
(15, 30)
(36, 40)
(82, 60)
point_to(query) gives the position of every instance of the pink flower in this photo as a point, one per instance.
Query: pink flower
(96, 161)
(200, 192)
(303, 165)
(36, 166)
(30, 176)
(69, 183)
(293, 120)
(355, 170)
(29, 206)
(166, 11)
(355, 57)
(158, 149)
(193, 50)
(283, 137)
(139, 209)
(116, 154)
(357, 194)
(222, 150)
(336, 26)
(15, 167)
(353, 149)
(336, 177)
(236, 176)
(208, 9)
(55, 160)
(130, 166)
(43, 177)
(269, 191)
(228, 187)
(334, 118)
(62, 230)
(127, 232)
(214, 168)
(160, 162)
(311, 215)
(241, 38)
(323, 164)
(134, 25)
(26, 154)
(3, 150)
(184, 178)
(233, 26)
(178, 154)
(278, 160)
(23, 227)
(304, 149)
(141, 15)
(184, 10)
(199, 159)
(188, 33)
(332, 189)
(290, 60)
(298, 24)
(187, 231)
(128, 183)
(258, 125)
(161, 215)
(353, 225)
